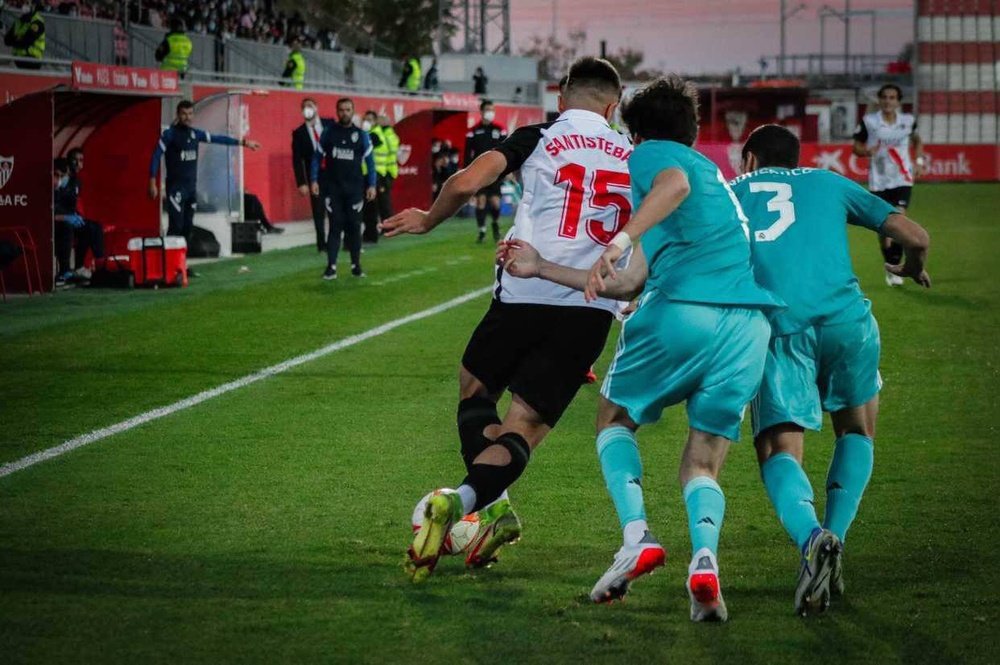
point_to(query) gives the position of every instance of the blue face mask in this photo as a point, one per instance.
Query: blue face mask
(63, 181)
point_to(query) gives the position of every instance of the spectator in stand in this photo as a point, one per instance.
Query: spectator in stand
(431, 80)
(518, 95)
(480, 81)
(70, 224)
(410, 79)
(295, 68)
(121, 42)
(27, 37)
(175, 49)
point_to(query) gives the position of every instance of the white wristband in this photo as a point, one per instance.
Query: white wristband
(622, 241)
(921, 161)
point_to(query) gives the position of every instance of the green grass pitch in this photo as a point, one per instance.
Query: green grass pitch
(269, 524)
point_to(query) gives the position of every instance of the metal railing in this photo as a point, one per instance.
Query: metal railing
(816, 66)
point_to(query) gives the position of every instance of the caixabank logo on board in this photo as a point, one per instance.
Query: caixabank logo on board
(6, 171)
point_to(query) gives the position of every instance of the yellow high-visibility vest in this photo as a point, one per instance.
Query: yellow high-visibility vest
(180, 50)
(37, 48)
(391, 140)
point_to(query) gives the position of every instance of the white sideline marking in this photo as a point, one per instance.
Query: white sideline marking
(194, 400)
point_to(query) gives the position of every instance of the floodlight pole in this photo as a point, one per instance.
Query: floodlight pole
(785, 15)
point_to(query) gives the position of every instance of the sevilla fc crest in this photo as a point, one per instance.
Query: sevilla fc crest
(6, 169)
(403, 154)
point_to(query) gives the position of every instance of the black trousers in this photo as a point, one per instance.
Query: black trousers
(344, 210)
(384, 195)
(371, 220)
(180, 212)
(89, 237)
(319, 220)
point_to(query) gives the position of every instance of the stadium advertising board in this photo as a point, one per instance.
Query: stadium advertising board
(109, 78)
(946, 162)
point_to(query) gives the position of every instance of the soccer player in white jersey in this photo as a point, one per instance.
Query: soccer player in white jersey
(887, 137)
(538, 339)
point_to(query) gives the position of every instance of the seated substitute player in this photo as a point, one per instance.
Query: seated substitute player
(824, 349)
(538, 339)
(698, 335)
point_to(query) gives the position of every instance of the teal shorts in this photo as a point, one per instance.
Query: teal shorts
(670, 352)
(822, 368)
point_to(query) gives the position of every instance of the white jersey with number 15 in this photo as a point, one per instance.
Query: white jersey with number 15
(576, 197)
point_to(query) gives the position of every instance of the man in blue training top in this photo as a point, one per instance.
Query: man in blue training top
(341, 184)
(698, 334)
(824, 352)
(179, 145)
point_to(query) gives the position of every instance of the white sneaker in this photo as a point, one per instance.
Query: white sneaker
(630, 563)
(703, 588)
(893, 280)
(84, 273)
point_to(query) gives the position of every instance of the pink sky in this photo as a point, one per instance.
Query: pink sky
(710, 36)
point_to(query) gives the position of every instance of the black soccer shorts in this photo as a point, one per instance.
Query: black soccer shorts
(541, 353)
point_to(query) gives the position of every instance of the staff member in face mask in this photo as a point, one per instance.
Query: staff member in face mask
(482, 138)
(305, 141)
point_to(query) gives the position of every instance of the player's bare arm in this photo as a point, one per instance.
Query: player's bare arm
(521, 259)
(915, 241)
(919, 158)
(670, 188)
(456, 191)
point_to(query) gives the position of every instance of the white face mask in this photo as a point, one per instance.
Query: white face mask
(488, 116)
(309, 113)
(366, 125)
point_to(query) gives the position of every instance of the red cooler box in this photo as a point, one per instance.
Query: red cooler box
(156, 261)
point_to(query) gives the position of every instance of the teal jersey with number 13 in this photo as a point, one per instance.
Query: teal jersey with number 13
(798, 225)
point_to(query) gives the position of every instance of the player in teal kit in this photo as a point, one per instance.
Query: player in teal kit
(824, 352)
(697, 336)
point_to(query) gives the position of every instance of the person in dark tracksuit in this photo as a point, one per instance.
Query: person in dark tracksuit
(344, 189)
(179, 145)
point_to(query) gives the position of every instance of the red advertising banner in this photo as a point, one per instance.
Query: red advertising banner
(945, 162)
(460, 101)
(109, 78)
(26, 190)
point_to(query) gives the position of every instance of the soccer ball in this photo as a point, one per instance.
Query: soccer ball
(462, 532)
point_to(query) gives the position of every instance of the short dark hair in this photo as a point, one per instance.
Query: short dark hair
(370, 112)
(563, 81)
(60, 164)
(483, 104)
(308, 100)
(71, 155)
(773, 145)
(594, 74)
(184, 104)
(345, 100)
(891, 86)
(177, 24)
(665, 109)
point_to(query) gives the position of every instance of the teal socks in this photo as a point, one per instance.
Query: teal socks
(850, 471)
(791, 495)
(706, 506)
(622, 467)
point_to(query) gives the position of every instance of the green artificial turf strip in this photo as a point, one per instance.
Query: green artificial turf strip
(269, 524)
